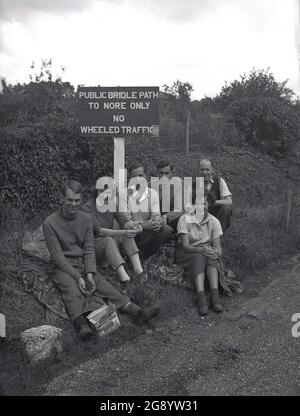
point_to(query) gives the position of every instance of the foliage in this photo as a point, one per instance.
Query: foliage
(40, 145)
(180, 90)
(175, 100)
(263, 110)
(266, 123)
(258, 83)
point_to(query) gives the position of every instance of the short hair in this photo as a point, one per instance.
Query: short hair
(136, 165)
(204, 160)
(75, 186)
(164, 163)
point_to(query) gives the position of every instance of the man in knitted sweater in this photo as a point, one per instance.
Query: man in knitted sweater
(69, 238)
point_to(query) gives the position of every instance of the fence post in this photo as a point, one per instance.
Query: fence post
(287, 209)
(187, 132)
(2, 326)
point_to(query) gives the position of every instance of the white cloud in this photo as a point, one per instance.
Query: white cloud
(133, 42)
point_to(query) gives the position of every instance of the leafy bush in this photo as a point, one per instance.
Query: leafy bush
(31, 172)
(266, 123)
(258, 83)
(263, 111)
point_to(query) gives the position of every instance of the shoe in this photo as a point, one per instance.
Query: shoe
(215, 301)
(124, 288)
(141, 314)
(83, 328)
(202, 304)
(145, 314)
(85, 334)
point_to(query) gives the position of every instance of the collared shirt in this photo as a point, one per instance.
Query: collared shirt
(224, 191)
(136, 195)
(144, 208)
(200, 234)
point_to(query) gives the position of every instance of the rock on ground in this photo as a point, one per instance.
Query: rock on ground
(42, 342)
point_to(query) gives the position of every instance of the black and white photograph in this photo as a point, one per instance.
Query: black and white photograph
(149, 201)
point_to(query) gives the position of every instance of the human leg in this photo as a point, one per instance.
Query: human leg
(130, 248)
(194, 265)
(107, 248)
(201, 298)
(75, 303)
(106, 291)
(150, 241)
(122, 302)
(212, 274)
(140, 314)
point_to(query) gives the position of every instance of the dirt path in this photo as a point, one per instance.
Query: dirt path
(247, 350)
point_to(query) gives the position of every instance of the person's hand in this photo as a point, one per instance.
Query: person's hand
(208, 252)
(164, 218)
(129, 233)
(218, 252)
(156, 226)
(82, 287)
(91, 282)
(130, 225)
(137, 227)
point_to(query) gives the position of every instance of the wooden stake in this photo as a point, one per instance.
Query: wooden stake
(288, 209)
(187, 132)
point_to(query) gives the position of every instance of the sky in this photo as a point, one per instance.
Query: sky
(150, 42)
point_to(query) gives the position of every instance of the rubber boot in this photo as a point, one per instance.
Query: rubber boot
(215, 301)
(82, 328)
(202, 304)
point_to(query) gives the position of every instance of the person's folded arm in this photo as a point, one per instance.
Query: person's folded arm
(225, 201)
(109, 232)
(146, 225)
(155, 209)
(187, 248)
(123, 218)
(216, 245)
(57, 254)
(225, 195)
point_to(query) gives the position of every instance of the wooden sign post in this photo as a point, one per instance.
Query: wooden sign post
(288, 208)
(119, 161)
(118, 112)
(187, 132)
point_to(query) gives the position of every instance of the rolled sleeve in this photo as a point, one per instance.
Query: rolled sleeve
(224, 191)
(216, 230)
(182, 226)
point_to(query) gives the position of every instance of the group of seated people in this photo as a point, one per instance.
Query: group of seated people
(80, 236)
